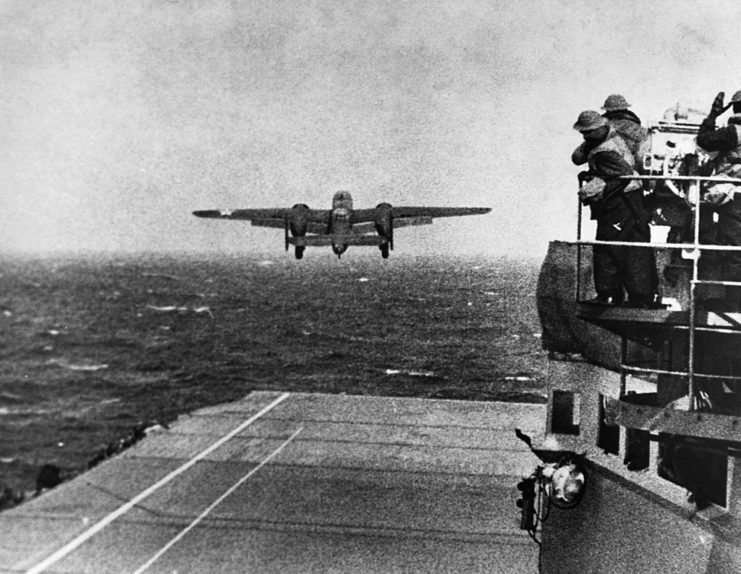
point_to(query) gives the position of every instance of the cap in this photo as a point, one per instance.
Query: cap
(589, 120)
(615, 102)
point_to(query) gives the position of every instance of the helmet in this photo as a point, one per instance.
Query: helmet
(736, 97)
(589, 120)
(615, 102)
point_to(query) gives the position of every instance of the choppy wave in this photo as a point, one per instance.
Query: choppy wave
(90, 349)
(409, 373)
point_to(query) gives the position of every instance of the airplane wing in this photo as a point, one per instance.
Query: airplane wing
(437, 211)
(370, 227)
(265, 217)
(362, 215)
(262, 215)
(407, 221)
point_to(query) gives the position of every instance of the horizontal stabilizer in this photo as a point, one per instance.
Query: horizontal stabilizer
(275, 223)
(311, 226)
(363, 228)
(316, 227)
(363, 240)
(323, 240)
(311, 240)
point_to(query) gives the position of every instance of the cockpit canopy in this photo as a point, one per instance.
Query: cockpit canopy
(343, 200)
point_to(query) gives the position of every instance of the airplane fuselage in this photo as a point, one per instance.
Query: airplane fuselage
(341, 220)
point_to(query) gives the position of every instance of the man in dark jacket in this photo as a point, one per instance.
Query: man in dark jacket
(723, 197)
(628, 126)
(617, 206)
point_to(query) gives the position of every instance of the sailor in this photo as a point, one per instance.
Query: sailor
(628, 126)
(722, 196)
(617, 206)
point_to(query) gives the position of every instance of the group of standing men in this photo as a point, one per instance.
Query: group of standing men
(614, 145)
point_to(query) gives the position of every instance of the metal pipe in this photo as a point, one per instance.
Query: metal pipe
(726, 330)
(710, 282)
(710, 179)
(678, 373)
(688, 246)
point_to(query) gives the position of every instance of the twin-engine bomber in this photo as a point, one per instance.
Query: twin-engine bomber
(342, 225)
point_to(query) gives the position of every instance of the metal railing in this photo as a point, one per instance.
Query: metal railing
(693, 252)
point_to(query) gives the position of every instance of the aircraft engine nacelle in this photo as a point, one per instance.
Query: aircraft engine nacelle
(299, 219)
(297, 223)
(385, 226)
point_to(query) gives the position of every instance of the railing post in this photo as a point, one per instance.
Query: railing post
(693, 303)
(578, 248)
(623, 363)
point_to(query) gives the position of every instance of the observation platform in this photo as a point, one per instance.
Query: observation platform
(295, 483)
(648, 317)
(653, 326)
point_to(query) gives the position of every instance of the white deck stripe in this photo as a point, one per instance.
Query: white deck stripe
(90, 532)
(218, 501)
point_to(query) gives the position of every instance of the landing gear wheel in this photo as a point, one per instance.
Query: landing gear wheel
(384, 250)
(300, 251)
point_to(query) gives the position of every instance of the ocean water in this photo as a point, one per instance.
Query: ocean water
(91, 348)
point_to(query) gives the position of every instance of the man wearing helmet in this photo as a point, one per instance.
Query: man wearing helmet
(722, 196)
(628, 126)
(617, 206)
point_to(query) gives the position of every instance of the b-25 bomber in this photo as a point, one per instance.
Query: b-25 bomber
(340, 226)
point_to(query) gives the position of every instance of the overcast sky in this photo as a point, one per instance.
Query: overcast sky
(119, 118)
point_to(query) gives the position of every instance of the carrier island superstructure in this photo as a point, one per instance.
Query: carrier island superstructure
(644, 405)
